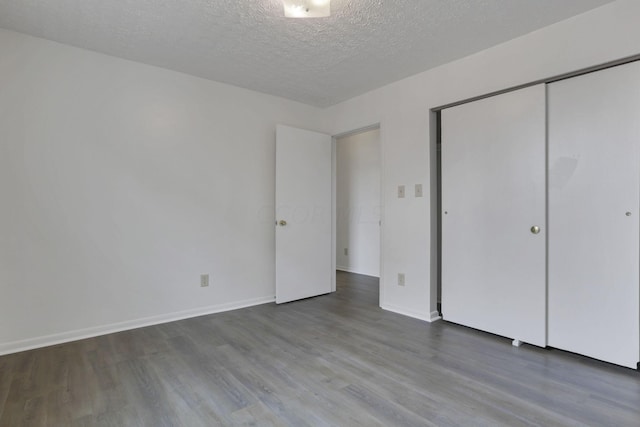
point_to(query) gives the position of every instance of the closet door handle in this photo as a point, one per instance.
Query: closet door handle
(535, 229)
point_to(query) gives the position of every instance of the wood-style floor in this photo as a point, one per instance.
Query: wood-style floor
(332, 360)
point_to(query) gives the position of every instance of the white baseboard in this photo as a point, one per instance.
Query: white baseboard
(432, 317)
(48, 340)
(349, 270)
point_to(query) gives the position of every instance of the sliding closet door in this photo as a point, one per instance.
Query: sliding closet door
(594, 212)
(493, 218)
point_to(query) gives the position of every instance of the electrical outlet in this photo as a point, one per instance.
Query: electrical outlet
(418, 190)
(400, 279)
(204, 280)
(346, 251)
(400, 191)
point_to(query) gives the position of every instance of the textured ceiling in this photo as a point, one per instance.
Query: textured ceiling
(363, 45)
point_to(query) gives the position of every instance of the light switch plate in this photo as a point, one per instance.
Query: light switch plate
(400, 191)
(418, 190)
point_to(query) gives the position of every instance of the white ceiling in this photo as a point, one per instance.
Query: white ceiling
(248, 43)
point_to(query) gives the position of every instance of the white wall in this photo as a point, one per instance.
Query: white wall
(120, 183)
(402, 109)
(358, 203)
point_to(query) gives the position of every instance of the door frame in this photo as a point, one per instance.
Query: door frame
(334, 152)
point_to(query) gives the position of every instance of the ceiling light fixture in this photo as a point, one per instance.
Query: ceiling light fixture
(307, 8)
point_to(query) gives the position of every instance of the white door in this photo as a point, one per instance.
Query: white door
(493, 193)
(304, 206)
(594, 212)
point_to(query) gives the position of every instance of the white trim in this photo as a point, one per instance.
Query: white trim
(47, 340)
(334, 213)
(348, 270)
(357, 131)
(334, 210)
(382, 287)
(432, 317)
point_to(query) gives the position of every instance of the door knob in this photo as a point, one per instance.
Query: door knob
(283, 222)
(535, 229)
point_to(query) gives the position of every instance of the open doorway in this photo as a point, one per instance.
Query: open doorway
(358, 203)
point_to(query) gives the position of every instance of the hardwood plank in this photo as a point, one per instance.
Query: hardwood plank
(332, 360)
(257, 415)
